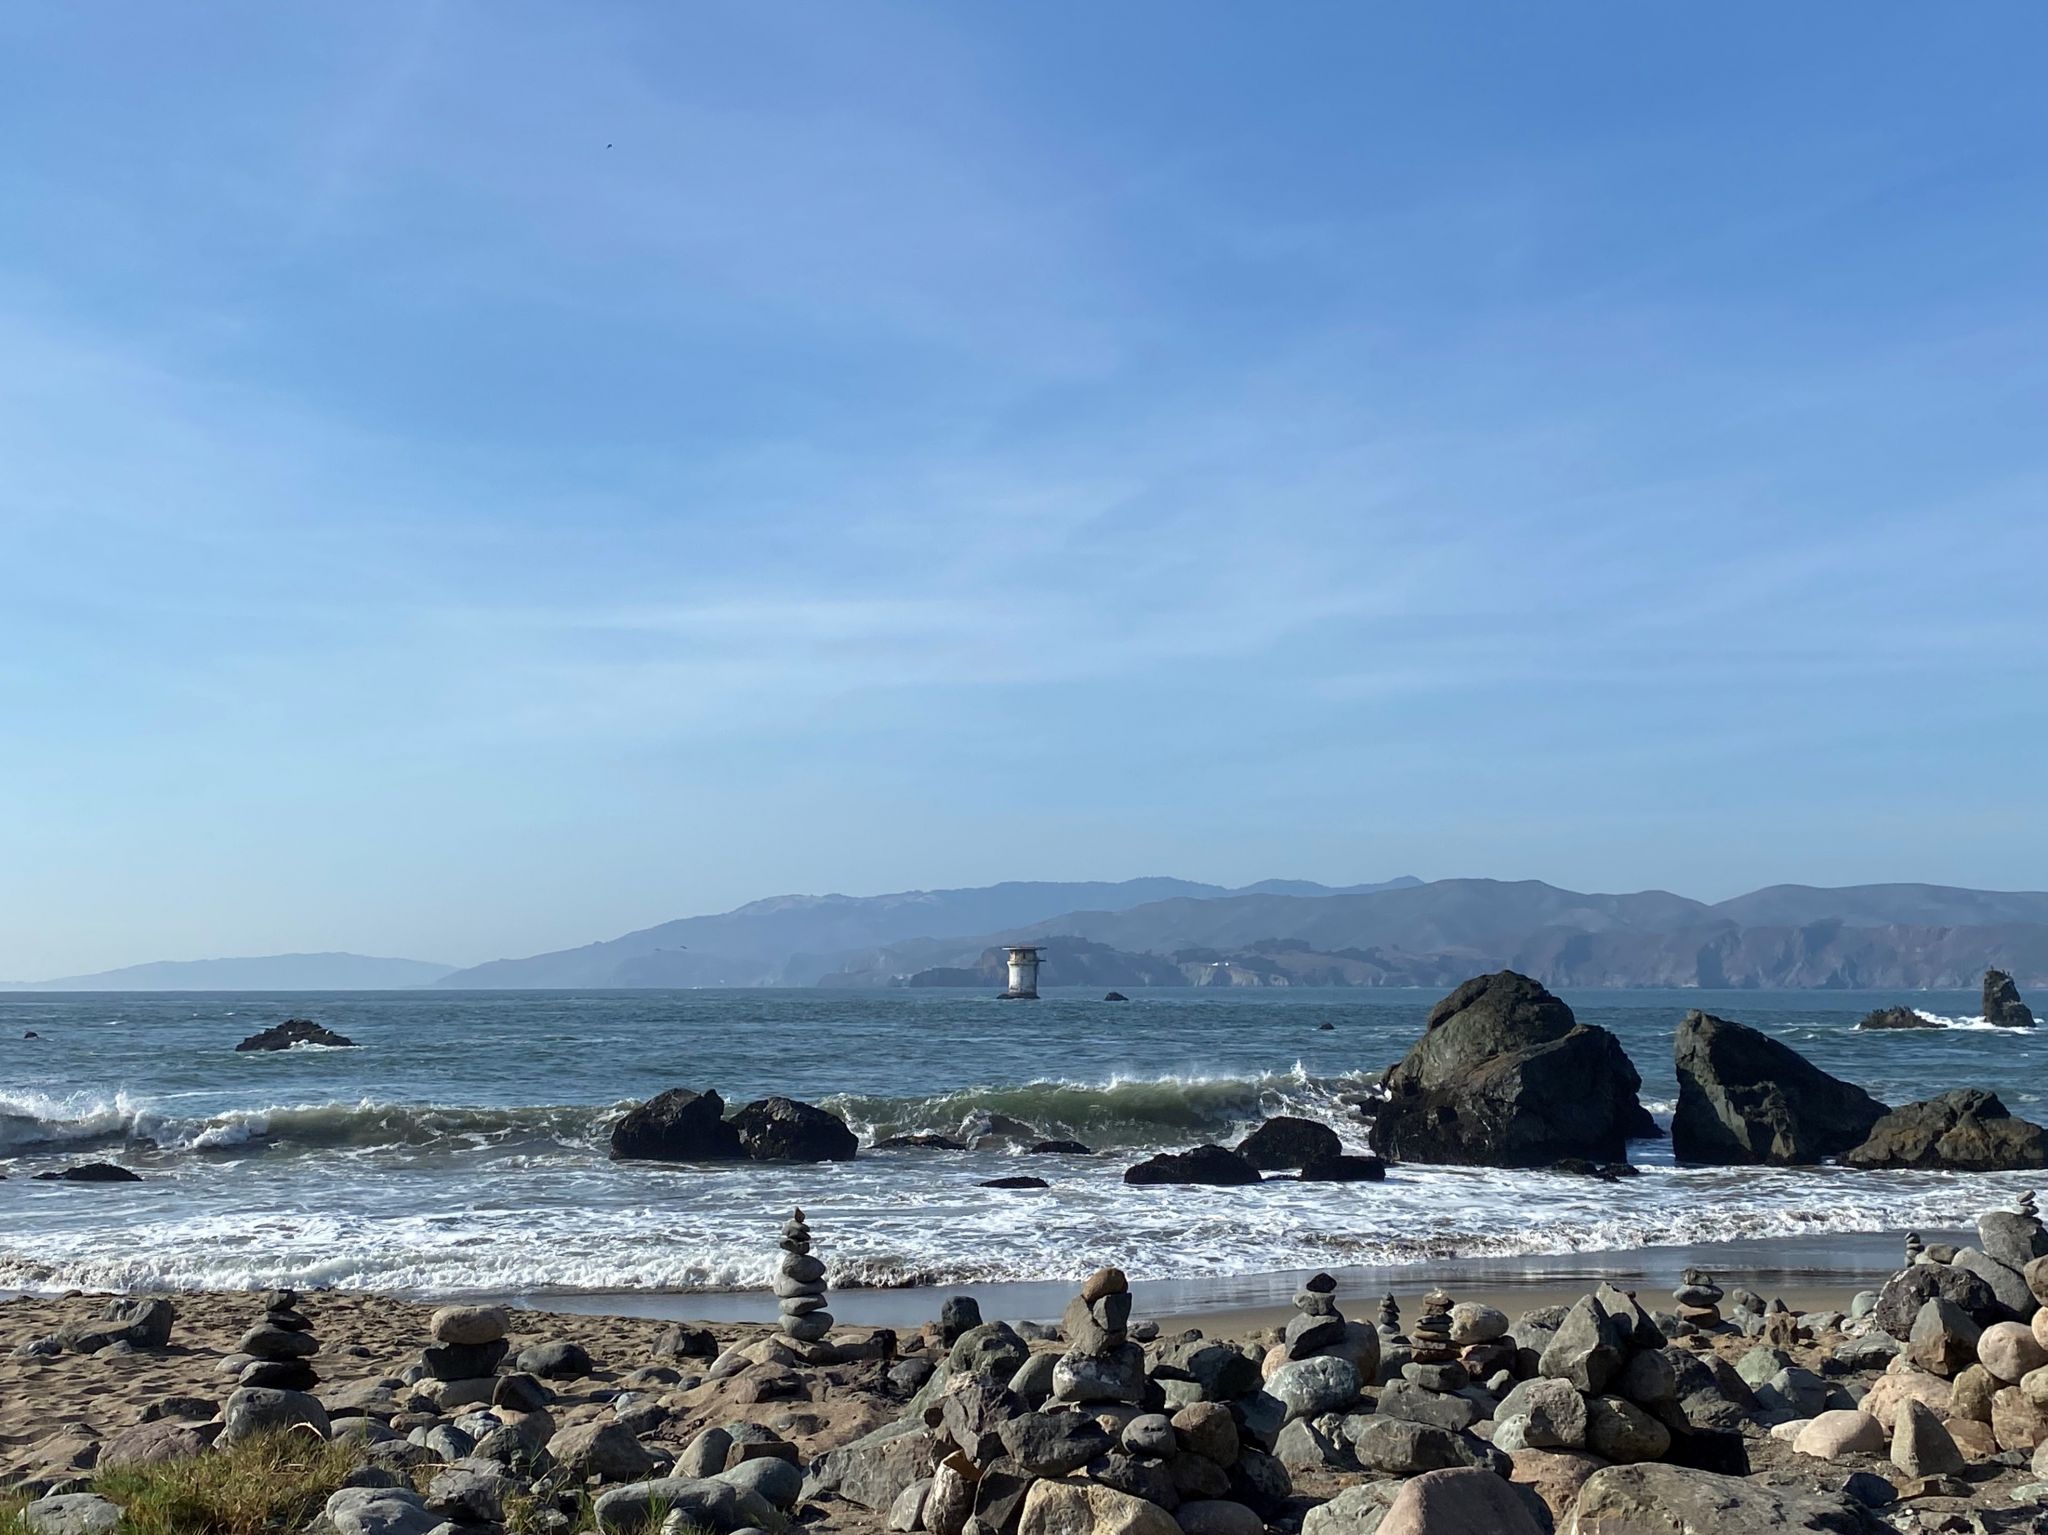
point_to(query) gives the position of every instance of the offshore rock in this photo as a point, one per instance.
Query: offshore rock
(1504, 1076)
(1968, 1130)
(1745, 1098)
(296, 1031)
(2002, 1004)
(677, 1126)
(1212, 1165)
(781, 1129)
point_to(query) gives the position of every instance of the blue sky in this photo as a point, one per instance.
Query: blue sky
(478, 478)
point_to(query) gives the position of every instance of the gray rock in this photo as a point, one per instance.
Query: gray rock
(1115, 1376)
(1217, 1516)
(554, 1361)
(874, 1469)
(607, 1451)
(1589, 1347)
(253, 1409)
(2005, 1282)
(1054, 1443)
(1620, 1431)
(1921, 1445)
(380, 1511)
(1354, 1511)
(71, 1513)
(779, 1482)
(1151, 1434)
(1396, 1447)
(1553, 1411)
(1745, 1098)
(1661, 1498)
(2012, 1238)
(1033, 1381)
(992, 1349)
(1308, 1388)
(470, 1493)
(705, 1455)
(1307, 1444)
(1223, 1371)
(1402, 1399)
(1944, 1338)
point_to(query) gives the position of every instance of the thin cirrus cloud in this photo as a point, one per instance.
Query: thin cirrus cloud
(478, 451)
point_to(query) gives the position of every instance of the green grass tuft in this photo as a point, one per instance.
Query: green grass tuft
(270, 1484)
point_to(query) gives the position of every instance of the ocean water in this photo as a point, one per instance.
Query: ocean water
(462, 1149)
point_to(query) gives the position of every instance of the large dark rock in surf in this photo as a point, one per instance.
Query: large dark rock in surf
(677, 1126)
(1212, 1165)
(1744, 1099)
(1896, 1018)
(783, 1130)
(1286, 1141)
(1505, 1076)
(2002, 1004)
(1966, 1131)
(296, 1031)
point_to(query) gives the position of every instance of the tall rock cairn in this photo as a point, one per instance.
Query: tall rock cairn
(279, 1349)
(1101, 1364)
(1698, 1299)
(800, 1284)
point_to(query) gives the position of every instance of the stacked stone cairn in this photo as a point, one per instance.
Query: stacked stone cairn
(1388, 1320)
(1106, 1440)
(460, 1365)
(279, 1349)
(1698, 1300)
(800, 1284)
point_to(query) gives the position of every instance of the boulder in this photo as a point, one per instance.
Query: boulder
(781, 1129)
(677, 1126)
(1744, 1098)
(1943, 1340)
(2008, 1287)
(1356, 1510)
(71, 1513)
(1287, 1141)
(1844, 1431)
(1311, 1387)
(555, 1361)
(469, 1325)
(152, 1444)
(1504, 1076)
(1054, 1443)
(1555, 1476)
(1921, 1446)
(1084, 1508)
(1213, 1165)
(379, 1511)
(2010, 1352)
(2002, 1005)
(607, 1451)
(873, 1470)
(1967, 1130)
(253, 1409)
(1619, 1431)
(1588, 1348)
(1456, 1502)
(2013, 1238)
(296, 1031)
(1671, 1500)
(1899, 1302)
(141, 1322)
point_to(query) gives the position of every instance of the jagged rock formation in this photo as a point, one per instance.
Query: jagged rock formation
(2002, 1004)
(1745, 1098)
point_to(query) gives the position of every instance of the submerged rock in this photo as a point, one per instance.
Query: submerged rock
(1745, 1098)
(296, 1031)
(1212, 1165)
(90, 1172)
(1287, 1141)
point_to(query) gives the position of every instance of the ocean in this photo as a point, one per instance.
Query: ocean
(462, 1148)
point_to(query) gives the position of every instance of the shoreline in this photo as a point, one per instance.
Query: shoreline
(1820, 1269)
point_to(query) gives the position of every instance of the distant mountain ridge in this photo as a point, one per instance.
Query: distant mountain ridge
(1163, 931)
(794, 940)
(265, 972)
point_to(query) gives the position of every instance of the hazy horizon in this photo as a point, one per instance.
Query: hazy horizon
(481, 480)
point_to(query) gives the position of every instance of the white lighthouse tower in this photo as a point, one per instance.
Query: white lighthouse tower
(1023, 974)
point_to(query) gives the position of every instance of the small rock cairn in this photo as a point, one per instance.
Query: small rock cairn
(279, 1347)
(1433, 1357)
(1914, 1248)
(800, 1284)
(1698, 1299)
(1389, 1319)
(469, 1344)
(1101, 1363)
(1317, 1323)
